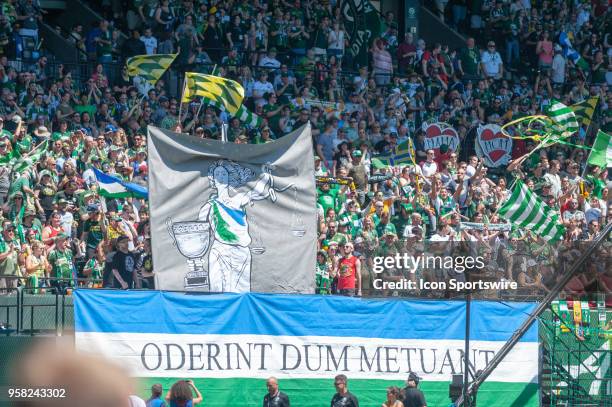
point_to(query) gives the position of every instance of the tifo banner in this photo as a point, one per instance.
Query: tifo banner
(493, 146)
(230, 343)
(362, 24)
(232, 218)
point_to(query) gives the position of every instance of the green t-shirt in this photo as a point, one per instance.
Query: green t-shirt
(470, 58)
(61, 263)
(24, 145)
(94, 233)
(328, 200)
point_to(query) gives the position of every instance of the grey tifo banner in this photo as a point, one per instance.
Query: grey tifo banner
(231, 217)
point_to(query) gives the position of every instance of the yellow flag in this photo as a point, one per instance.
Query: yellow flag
(222, 91)
(150, 67)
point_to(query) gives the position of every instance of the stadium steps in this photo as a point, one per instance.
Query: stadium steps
(432, 29)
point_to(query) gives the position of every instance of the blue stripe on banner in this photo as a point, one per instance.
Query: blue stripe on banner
(294, 315)
(104, 178)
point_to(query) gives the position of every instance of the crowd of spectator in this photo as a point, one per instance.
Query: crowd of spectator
(293, 59)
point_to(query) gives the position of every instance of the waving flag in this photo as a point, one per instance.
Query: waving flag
(601, 153)
(114, 187)
(150, 67)
(401, 155)
(226, 92)
(33, 157)
(564, 119)
(584, 110)
(570, 53)
(523, 208)
(243, 114)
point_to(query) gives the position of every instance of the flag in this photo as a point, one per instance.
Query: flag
(243, 114)
(204, 240)
(247, 117)
(114, 187)
(32, 158)
(570, 53)
(230, 344)
(584, 110)
(601, 153)
(564, 119)
(523, 208)
(401, 155)
(227, 92)
(149, 67)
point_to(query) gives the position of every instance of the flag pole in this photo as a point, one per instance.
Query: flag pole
(181, 101)
(224, 133)
(586, 164)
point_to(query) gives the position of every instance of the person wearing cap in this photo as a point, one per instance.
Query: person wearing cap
(124, 264)
(411, 396)
(343, 397)
(9, 263)
(30, 223)
(61, 260)
(94, 229)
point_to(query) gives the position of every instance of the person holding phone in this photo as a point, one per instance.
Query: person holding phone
(181, 394)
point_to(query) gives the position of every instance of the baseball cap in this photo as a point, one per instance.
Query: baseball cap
(357, 153)
(413, 376)
(110, 128)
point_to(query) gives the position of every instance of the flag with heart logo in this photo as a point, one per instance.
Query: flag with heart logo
(438, 135)
(493, 146)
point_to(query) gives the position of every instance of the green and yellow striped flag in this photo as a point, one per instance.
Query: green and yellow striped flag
(226, 92)
(584, 110)
(150, 67)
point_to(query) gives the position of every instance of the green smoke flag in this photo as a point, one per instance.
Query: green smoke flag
(526, 210)
(150, 67)
(601, 153)
(28, 161)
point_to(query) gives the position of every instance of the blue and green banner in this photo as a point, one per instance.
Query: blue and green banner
(230, 343)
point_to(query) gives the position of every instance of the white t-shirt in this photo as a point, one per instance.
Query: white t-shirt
(268, 62)
(429, 168)
(492, 63)
(150, 44)
(261, 88)
(558, 69)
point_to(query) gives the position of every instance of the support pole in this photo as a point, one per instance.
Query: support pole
(466, 355)
(542, 306)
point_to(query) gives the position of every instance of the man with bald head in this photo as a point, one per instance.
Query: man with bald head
(275, 397)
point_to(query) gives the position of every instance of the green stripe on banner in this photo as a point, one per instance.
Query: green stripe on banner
(318, 392)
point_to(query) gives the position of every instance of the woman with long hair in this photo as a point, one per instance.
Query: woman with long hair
(393, 394)
(181, 394)
(37, 266)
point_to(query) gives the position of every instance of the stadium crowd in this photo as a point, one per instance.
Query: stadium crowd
(294, 61)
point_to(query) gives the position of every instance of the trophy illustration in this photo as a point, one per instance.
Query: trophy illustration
(297, 224)
(192, 239)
